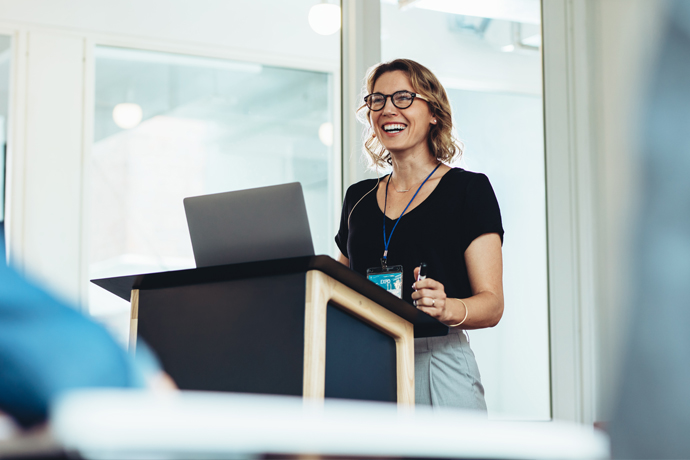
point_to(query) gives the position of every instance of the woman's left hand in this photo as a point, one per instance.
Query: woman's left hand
(430, 297)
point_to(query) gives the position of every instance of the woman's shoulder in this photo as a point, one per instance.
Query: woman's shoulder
(460, 177)
(469, 186)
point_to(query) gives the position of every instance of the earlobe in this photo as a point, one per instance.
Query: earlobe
(433, 121)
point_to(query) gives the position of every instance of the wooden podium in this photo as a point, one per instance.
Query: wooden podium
(301, 326)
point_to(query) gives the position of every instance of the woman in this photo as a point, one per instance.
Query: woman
(446, 217)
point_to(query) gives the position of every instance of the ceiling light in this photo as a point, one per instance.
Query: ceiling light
(127, 115)
(324, 18)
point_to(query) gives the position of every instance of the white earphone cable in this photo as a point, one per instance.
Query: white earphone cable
(378, 179)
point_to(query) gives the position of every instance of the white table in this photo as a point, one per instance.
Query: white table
(137, 424)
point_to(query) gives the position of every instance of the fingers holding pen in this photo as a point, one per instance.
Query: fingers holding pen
(429, 293)
(428, 285)
(429, 296)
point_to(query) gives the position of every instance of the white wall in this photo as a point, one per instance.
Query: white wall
(53, 160)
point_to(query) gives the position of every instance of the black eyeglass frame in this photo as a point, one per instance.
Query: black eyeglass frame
(392, 96)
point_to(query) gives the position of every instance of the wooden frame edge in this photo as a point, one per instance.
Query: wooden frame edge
(133, 322)
(314, 370)
(320, 290)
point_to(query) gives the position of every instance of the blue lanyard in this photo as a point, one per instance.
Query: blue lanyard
(386, 242)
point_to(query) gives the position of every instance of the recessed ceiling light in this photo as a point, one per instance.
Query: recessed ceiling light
(324, 18)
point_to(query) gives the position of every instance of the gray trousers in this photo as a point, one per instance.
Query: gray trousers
(446, 373)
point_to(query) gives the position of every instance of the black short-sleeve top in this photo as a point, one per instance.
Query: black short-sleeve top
(462, 207)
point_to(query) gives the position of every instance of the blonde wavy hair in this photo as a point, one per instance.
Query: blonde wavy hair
(443, 143)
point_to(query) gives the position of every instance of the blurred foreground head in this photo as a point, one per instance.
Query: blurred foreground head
(47, 348)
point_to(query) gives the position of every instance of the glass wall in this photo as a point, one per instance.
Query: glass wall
(5, 54)
(169, 126)
(489, 62)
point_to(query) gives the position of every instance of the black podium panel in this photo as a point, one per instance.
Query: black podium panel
(360, 360)
(244, 335)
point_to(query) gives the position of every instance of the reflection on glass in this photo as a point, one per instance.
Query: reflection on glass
(488, 60)
(196, 126)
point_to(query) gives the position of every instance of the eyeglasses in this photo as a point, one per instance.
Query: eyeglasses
(400, 99)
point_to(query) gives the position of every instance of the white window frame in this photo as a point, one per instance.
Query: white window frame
(570, 211)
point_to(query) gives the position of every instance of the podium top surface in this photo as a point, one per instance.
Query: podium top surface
(424, 325)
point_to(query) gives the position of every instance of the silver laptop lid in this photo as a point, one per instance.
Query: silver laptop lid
(249, 225)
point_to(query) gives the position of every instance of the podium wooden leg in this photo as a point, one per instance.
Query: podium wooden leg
(133, 321)
(322, 289)
(317, 295)
(404, 351)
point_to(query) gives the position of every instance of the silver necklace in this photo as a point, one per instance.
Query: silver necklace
(394, 188)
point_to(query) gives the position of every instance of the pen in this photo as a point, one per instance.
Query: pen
(422, 272)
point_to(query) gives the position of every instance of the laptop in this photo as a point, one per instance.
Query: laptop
(249, 225)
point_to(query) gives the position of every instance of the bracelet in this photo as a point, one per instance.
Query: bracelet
(467, 312)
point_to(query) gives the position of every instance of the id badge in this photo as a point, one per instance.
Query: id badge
(389, 278)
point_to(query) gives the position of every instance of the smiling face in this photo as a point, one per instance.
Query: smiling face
(401, 130)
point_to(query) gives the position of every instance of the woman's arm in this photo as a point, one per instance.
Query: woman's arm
(485, 270)
(343, 260)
